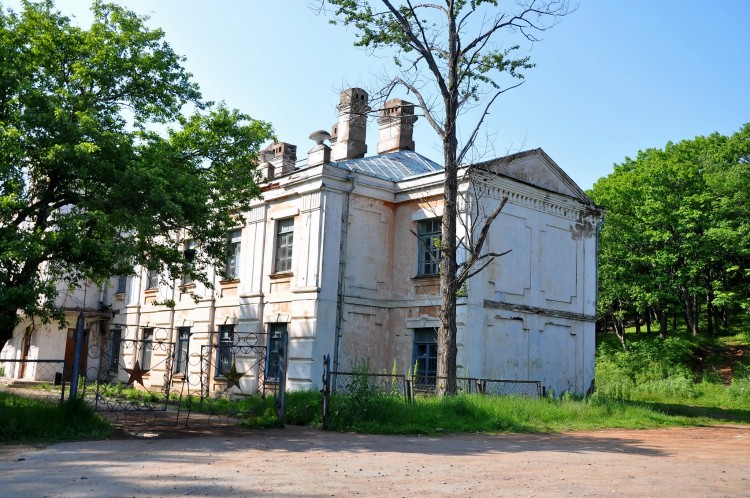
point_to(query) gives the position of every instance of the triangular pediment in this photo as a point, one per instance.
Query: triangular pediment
(536, 168)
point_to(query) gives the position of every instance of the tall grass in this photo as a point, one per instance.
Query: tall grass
(672, 371)
(25, 420)
(653, 384)
(479, 413)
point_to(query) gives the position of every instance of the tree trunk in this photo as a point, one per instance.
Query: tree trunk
(637, 322)
(447, 349)
(648, 320)
(691, 316)
(663, 320)
(620, 331)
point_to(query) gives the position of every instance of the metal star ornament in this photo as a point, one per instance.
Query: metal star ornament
(233, 376)
(136, 374)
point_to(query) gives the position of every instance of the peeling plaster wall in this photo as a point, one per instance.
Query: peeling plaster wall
(537, 303)
(304, 298)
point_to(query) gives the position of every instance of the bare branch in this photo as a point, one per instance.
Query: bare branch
(423, 104)
(474, 256)
(480, 120)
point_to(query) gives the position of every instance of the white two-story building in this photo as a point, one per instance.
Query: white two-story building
(340, 253)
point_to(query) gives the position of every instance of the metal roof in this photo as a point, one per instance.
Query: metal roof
(394, 166)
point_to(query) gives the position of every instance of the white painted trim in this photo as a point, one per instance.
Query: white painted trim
(427, 213)
(284, 213)
(278, 318)
(421, 323)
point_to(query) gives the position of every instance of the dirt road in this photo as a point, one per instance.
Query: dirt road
(304, 462)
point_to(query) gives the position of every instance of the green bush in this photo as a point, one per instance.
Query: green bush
(304, 408)
(739, 390)
(675, 386)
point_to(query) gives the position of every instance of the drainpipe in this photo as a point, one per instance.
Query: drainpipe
(172, 332)
(138, 295)
(212, 324)
(342, 271)
(262, 297)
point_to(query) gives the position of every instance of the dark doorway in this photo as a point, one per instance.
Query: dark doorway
(70, 350)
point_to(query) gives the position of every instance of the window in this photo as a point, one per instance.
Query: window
(226, 355)
(429, 231)
(189, 254)
(152, 279)
(114, 348)
(284, 240)
(147, 346)
(122, 285)
(183, 350)
(275, 350)
(233, 254)
(424, 357)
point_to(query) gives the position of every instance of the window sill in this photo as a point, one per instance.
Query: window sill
(426, 277)
(280, 275)
(184, 288)
(151, 291)
(229, 282)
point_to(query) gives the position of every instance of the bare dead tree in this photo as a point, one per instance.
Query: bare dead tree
(449, 56)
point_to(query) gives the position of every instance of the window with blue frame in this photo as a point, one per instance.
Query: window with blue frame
(284, 242)
(233, 254)
(225, 356)
(114, 348)
(424, 357)
(276, 347)
(183, 350)
(430, 234)
(122, 285)
(147, 346)
(152, 279)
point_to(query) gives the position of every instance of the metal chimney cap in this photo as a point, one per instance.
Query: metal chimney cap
(320, 136)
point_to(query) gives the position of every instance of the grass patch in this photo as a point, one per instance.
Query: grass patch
(25, 420)
(495, 414)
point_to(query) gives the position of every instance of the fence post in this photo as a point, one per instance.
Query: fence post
(282, 377)
(326, 389)
(77, 357)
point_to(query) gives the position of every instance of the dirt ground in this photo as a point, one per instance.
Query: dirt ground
(296, 461)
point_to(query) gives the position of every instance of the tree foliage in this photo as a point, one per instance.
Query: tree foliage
(676, 237)
(450, 56)
(101, 168)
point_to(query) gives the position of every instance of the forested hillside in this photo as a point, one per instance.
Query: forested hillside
(675, 245)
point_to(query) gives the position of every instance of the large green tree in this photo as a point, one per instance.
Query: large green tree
(447, 55)
(676, 239)
(109, 157)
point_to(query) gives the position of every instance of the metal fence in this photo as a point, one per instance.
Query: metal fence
(364, 385)
(38, 379)
(156, 380)
(500, 387)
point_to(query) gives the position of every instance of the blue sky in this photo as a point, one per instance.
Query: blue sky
(612, 78)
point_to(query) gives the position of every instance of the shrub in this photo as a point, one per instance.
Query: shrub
(739, 390)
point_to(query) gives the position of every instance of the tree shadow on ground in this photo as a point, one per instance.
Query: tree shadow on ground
(728, 415)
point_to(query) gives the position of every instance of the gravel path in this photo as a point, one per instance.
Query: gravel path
(686, 462)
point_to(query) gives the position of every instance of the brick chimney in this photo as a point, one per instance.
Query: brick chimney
(396, 126)
(278, 159)
(351, 130)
